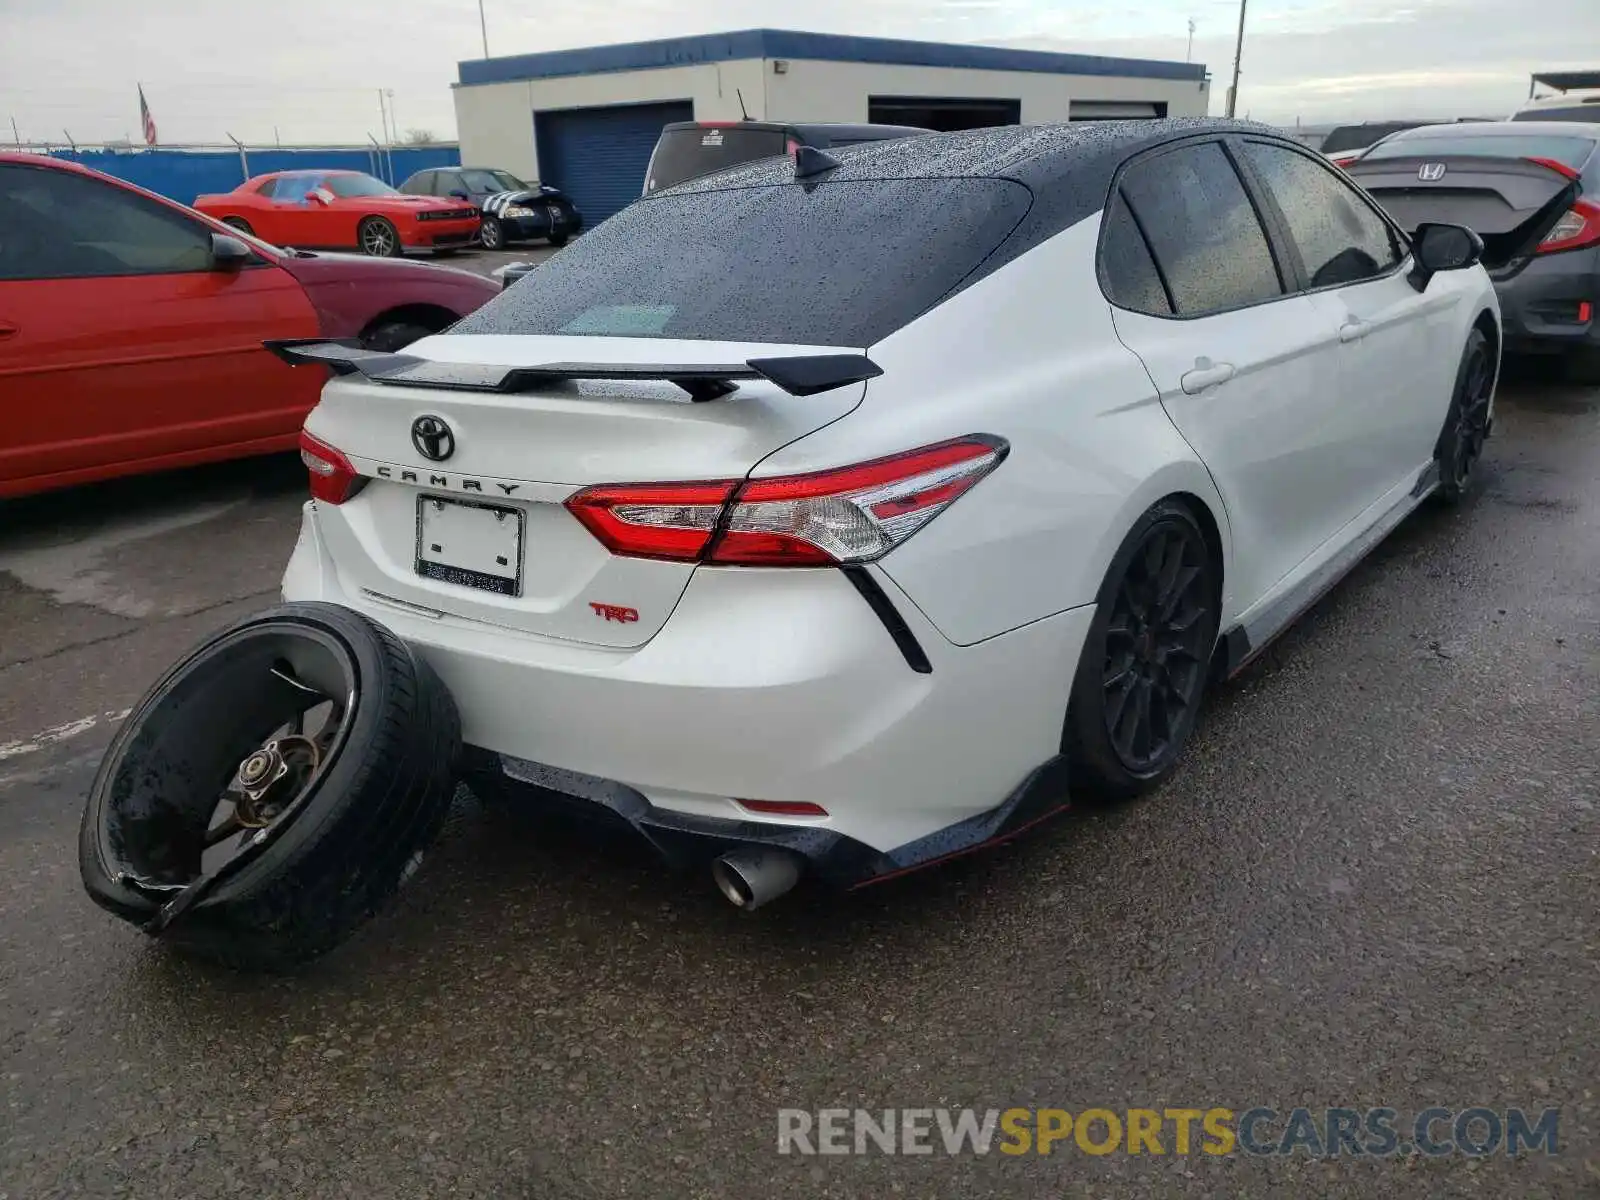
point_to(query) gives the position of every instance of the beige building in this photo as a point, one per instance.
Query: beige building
(586, 120)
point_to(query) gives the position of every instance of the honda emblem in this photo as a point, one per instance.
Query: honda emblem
(1430, 172)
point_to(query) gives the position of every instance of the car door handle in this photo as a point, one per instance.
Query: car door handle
(7, 329)
(1353, 331)
(1205, 374)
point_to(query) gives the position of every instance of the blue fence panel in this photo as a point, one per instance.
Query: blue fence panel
(182, 175)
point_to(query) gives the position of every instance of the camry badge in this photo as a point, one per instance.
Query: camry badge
(432, 438)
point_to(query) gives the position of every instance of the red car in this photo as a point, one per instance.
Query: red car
(343, 210)
(131, 328)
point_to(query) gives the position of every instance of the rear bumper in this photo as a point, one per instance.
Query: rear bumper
(771, 685)
(1539, 306)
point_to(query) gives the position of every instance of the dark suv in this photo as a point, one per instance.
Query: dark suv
(689, 149)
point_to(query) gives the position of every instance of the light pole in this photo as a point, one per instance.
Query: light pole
(483, 26)
(1188, 55)
(1238, 51)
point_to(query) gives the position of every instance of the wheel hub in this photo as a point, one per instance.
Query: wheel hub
(271, 777)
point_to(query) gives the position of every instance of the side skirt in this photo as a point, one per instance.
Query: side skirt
(1242, 643)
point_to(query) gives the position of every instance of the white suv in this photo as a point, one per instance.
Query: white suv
(839, 514)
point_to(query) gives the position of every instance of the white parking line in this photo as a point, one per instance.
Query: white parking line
(58, 733)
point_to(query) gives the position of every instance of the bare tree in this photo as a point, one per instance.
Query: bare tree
(419, 137)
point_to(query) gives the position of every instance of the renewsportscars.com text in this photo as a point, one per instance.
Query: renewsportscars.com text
(1318, 1133)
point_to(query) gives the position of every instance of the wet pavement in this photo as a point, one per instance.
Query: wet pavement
(1373, 883)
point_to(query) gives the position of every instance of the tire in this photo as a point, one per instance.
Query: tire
(558, 240)
(1466, 424)
(364, 818)
(492, 234)
(238, 223)
(392, 336)
(1582, 365)
(1127, 662)
(378, 238)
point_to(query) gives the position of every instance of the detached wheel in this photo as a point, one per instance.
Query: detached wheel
(1466, 424)
(379, 238)
(273, 790)
(492, 234)
(1143, 668)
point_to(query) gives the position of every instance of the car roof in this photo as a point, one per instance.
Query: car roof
(1505, 129)
(1068, 168)
(830, 128)
(1042, 157)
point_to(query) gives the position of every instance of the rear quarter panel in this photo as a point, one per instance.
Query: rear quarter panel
(1029, 354)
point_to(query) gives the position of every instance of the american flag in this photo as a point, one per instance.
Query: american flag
(149, 121)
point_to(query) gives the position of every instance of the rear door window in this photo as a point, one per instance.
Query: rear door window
(689, 153)
(1203, 230)
(843, 264)
(1340, 238)
(1127, 269)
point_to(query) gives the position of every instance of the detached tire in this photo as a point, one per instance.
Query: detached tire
(363, 814)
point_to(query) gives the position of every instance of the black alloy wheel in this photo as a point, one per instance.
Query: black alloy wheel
(1466, 425)
(1144, 666)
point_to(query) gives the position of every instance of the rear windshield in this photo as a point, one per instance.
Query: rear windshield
(1569, 151)
(843, 265)
(689, 153)
(1589, 113)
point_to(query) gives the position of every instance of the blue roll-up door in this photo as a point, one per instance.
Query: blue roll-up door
(598, 156)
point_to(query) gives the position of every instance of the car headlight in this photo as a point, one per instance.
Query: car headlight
(517, 210)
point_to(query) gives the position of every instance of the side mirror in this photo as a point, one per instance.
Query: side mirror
(1437, 247)
(228, 253)
(459, 194)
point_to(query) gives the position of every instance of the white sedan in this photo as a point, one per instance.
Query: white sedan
(843, 512)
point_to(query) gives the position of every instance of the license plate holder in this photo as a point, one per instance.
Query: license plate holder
(470, 544)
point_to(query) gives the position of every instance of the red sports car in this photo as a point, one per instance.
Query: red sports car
(131, 327)
(343, 210)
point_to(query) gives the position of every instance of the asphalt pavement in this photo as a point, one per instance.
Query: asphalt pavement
(1373, 883)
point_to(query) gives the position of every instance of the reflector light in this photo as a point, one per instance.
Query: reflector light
(1585, 311)
(783, 808)
(333, 479)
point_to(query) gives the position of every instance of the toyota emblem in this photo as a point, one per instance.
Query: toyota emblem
(432, 438)
(1430, 172)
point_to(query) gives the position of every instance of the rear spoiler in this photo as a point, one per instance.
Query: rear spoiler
(798, 375)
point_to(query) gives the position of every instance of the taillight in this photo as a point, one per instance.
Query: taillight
(827, 518)
(854, 514)
(333, 479)
(1578, 227)
(1343, 160)
(660, 520)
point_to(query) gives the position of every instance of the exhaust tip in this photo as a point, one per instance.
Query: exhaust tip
(752, 877)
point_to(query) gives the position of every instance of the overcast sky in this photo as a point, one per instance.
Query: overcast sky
(311, 69)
